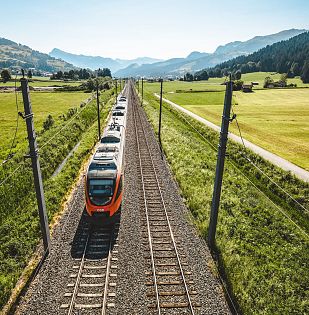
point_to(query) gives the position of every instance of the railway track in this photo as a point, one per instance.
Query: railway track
(91, 288)
(169, 280)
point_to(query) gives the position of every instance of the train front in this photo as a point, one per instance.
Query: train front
(103, 189)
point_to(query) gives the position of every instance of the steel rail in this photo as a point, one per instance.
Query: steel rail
(80, 270)
(107, 270)
(166, 215)
(146, 208)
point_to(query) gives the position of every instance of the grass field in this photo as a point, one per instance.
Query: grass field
(214, 84)
(43, 82)
(264, 256)
(275, 119)
(43, 104)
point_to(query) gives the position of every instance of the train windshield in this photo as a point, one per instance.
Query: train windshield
(101, 191)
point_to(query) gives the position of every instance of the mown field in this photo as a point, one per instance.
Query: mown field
(19, 223)
(263, 254)
(43, 104)
(275, 119)
(42, 83)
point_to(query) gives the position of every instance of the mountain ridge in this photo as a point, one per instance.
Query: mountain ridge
(15, 56)
(179, 66)
(95, 62)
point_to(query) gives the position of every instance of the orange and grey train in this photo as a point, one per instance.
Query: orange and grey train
(104, 179)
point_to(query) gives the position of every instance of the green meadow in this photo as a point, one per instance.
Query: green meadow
(43, 104)
(275, 119)
(40, 82)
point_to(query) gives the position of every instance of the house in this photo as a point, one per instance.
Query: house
(247, 88)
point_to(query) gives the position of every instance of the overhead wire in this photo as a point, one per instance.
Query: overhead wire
(11, 174)
(9, 156)
(262, 172)
(68, 123)
(250, 181)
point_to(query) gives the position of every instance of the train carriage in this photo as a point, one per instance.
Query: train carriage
(104, 178)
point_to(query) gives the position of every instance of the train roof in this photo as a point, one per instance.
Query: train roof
(111, 136)
(105, 156)
(118, 112)
(107, 148)
(102, 174)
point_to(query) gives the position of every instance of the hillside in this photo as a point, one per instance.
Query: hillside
(197, 60)
(284, 57)
(16, 56)
(95, 62)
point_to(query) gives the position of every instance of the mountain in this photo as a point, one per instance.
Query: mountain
(17, 56)
(197, 60)
(95, 62)
(287, 56)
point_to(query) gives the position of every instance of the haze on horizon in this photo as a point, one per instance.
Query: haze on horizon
(133, 28)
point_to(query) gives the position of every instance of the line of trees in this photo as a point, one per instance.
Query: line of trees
(81, 74)
(197, 76)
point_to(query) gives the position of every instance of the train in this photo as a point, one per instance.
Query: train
(104, 176)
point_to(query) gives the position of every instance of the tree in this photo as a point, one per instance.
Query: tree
(201, 75)
(237, 85)
(295, 68)
(105, 72)
(29, 74)
(305, 72)
(268, 81)
(283, 79)
(5, 75)
(188, 77)
(48, 122)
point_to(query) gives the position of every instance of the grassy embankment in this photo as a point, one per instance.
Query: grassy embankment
(275, 119)
(41, 82)
(19, 225)
(263, 254)
(43, 104)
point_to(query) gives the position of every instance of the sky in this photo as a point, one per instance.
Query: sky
(134, 28)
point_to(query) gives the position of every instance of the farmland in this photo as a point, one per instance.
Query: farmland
(42, 83)
(43, 103)
(262, 252)
(273, 119)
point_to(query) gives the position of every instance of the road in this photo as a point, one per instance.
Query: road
(271, 157)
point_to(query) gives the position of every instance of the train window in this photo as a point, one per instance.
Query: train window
(102, 166)
(110, 140)
(101, 191)
(118, 113)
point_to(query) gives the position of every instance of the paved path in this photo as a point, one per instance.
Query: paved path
(273, 158)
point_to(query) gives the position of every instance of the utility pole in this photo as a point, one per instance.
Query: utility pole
(98, 109)
(38, 183)
(160, 114)
(116, 91)
(142, 91)
(220, 164)
(138, 85)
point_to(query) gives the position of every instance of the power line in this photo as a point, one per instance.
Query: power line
(9, 156)
(239, 170)
(69, 122)
(279, 208)
(9, 176)
(64, 127)
(262, 172)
